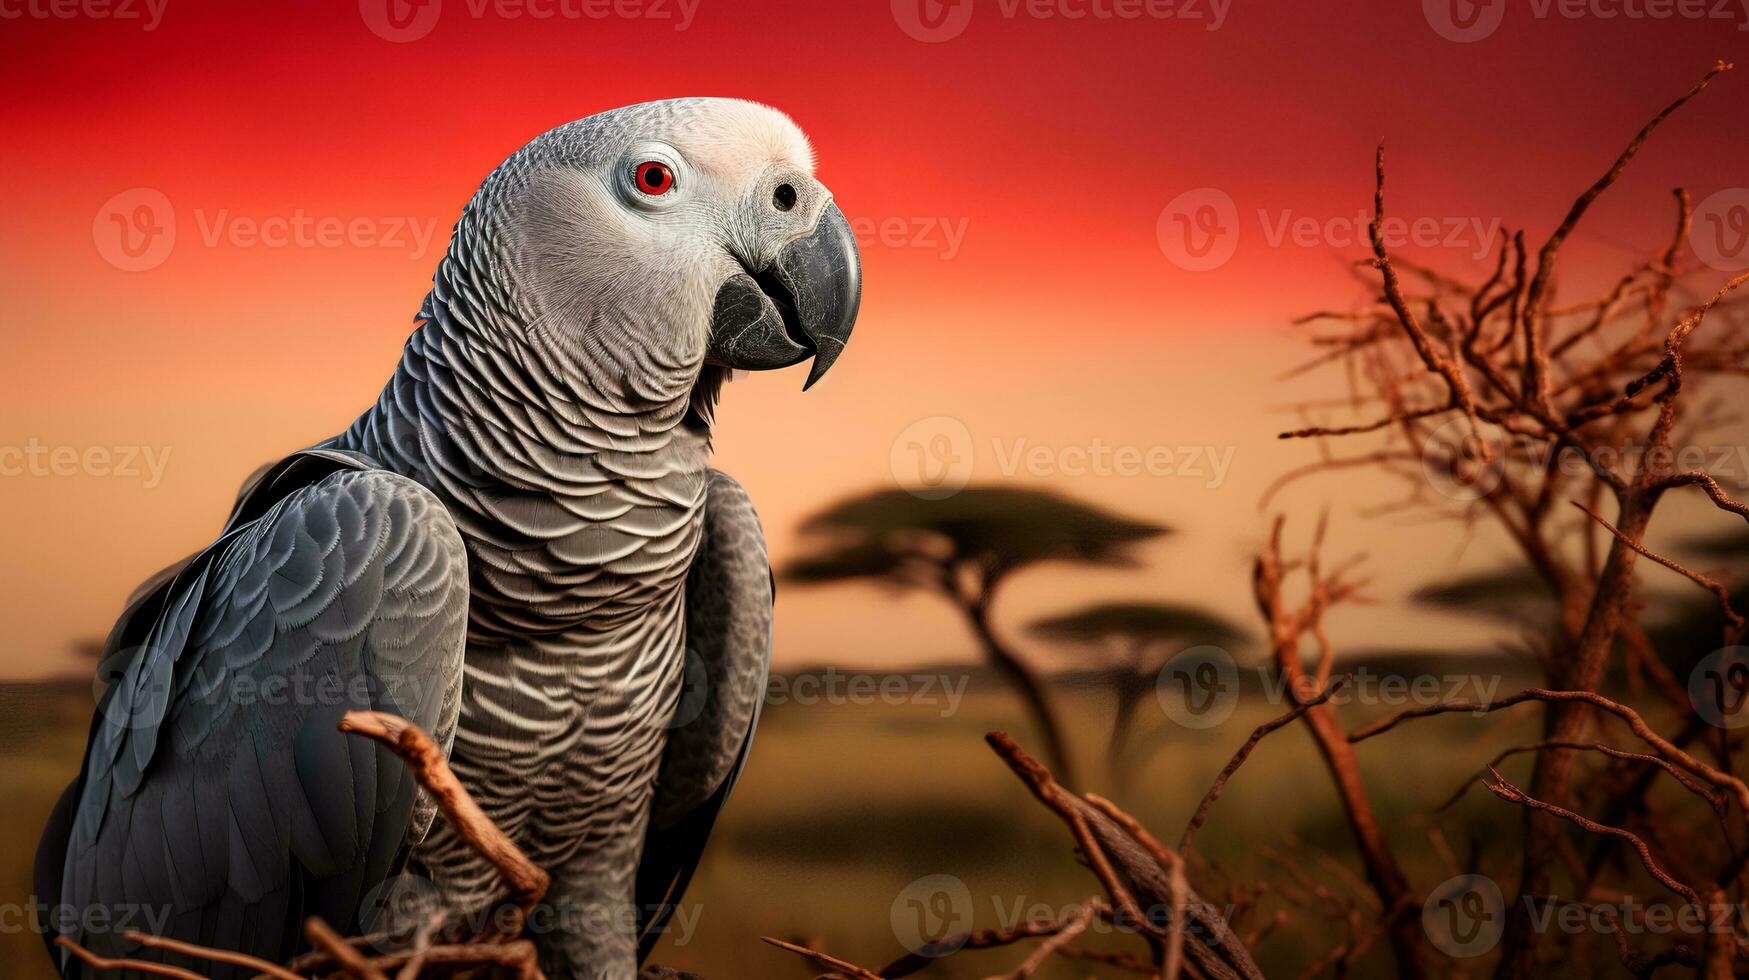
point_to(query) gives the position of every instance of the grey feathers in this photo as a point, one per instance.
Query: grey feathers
(217, 790)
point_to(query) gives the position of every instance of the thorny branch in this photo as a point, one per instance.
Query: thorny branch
(1145, 881)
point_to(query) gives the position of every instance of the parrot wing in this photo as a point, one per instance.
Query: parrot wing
(218, 803)
(729, 595)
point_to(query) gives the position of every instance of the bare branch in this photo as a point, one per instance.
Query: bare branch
(1257, 735)
(1711, 585)
(1512, 794)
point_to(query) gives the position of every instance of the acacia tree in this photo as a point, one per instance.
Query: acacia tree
(1536, 416)
(1134, 640)
(963, 548)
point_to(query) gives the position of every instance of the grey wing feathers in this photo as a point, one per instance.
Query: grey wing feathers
(728, 642)
(217, 797)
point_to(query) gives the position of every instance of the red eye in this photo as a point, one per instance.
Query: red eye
(654, 178)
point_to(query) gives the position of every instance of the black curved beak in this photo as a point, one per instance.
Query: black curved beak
(806, 303)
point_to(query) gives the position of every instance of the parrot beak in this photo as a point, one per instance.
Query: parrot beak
(806, 303)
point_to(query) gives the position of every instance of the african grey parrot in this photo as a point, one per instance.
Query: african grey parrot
(520, 547)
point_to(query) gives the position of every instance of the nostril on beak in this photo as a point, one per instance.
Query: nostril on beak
(784, 197)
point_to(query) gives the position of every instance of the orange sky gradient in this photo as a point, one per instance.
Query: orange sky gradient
(1046, 311)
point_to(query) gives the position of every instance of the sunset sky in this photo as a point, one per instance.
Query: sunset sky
(1009, 181)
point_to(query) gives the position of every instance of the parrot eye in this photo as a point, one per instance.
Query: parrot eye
(654, 178)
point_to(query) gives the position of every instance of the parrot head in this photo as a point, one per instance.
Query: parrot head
(667, 236)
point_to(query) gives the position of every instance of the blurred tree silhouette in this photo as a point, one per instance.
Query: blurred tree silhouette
(1513, 594)
(963, 548)
(1136, 640)
(1733, 546)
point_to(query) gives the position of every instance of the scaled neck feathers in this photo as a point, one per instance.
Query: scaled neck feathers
(482, 397)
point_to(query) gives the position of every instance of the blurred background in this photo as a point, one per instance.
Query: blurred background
(1087, 228)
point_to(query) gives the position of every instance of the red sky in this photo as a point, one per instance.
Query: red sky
(1020, 169)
